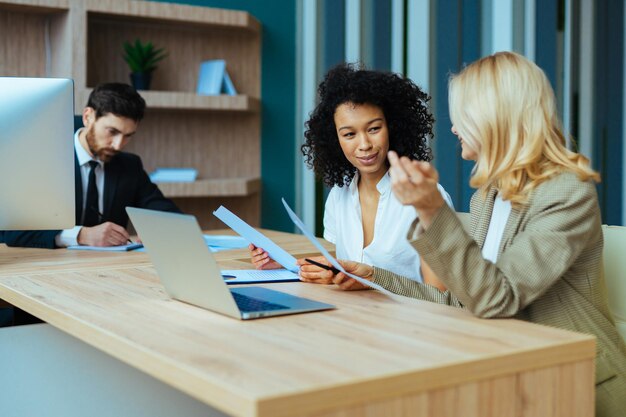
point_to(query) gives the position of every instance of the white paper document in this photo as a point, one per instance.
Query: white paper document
(254, 276)
(218, 243)
(226, 241)
(328, 256)
(257, 238)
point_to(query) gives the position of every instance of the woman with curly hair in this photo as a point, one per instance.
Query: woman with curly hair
(361, 116)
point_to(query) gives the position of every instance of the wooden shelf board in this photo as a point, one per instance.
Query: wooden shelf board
(193, 101)
(164, 13)
(36, 6)
(221, 187)
(176, 100)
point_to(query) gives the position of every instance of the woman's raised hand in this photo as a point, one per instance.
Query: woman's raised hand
(415, 183)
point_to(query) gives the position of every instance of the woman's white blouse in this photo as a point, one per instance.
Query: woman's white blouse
(389, 248)
(497, 224)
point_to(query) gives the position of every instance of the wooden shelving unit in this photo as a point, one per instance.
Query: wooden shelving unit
(217, 135)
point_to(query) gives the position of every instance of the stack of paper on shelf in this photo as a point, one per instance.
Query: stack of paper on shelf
(174, 175)
(214, 79)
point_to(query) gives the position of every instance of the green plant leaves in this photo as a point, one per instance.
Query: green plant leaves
(142, 57)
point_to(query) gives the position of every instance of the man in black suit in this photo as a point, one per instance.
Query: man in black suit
(107, 180)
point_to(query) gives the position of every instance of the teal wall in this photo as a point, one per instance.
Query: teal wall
(278, 94)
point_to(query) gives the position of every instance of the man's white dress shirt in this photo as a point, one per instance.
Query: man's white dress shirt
(69, 237)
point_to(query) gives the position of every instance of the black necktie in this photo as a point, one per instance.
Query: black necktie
(92, 216)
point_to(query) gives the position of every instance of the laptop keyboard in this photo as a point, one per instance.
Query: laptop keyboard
(248, 304)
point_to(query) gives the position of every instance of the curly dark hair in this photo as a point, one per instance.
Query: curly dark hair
(403, 103)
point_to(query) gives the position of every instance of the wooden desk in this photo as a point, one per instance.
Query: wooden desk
(370, 357)
(15, 261)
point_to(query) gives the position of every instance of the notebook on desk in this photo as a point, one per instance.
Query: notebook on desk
(120, 248)
(190, 273)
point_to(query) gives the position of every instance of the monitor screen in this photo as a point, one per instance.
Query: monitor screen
(36, 153)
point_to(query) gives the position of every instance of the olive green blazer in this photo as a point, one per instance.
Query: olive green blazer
(547, 271)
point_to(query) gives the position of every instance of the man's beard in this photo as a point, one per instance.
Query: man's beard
(103, 154)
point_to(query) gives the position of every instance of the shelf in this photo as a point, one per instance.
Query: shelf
(35, 6)
(222, 187)
(174, 100)
(174, 14)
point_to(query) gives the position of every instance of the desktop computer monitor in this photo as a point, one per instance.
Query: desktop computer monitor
(36, 153)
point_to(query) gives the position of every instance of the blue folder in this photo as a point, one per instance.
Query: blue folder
(214, 79)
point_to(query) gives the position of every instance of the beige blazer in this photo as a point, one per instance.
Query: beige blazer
(547, 272)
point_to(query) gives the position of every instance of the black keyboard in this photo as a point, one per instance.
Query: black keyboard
(248, 304)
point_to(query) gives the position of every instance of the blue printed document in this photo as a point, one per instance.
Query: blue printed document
(257, 238)
(121, 248)
(254, 276)
(296, 220)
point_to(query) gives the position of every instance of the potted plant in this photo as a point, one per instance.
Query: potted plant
(142, 59)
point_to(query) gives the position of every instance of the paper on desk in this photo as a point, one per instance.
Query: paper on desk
(328, 256)
(218, 243)
(257, 238)
(219, 248)
(254, 276)
(225, 241)
(215, 243)
(121, 248)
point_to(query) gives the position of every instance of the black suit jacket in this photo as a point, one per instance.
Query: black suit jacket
(126, 184)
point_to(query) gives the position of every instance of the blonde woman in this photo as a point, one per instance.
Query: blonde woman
(536, 243)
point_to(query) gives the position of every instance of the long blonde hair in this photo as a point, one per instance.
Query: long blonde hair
(504, 109)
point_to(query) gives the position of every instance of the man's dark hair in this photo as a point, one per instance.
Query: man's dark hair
(117, 98)
(403, 103)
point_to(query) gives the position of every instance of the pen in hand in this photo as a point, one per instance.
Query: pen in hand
(329, 268)
(101, 219)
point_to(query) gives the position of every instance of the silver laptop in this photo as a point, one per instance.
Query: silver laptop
(189, 272)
